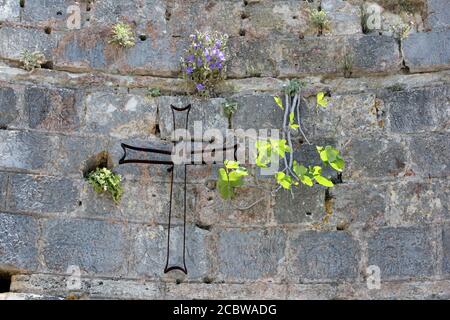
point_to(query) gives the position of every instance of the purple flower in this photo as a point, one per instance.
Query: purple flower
(199, 61)
(221, 56)
(190, 58)
(218, 44)
(206, 37)
(189, 70)
(200, 87)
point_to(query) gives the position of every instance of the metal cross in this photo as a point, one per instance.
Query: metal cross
(180, 263)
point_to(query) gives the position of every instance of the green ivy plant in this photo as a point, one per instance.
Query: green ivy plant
(32, 60)
(292, 173)
(104, 180)
(122, 35)
(320, 20)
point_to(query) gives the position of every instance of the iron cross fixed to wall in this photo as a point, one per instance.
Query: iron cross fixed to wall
(165, 157)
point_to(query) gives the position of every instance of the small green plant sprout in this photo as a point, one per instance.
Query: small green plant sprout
(153, 92)
(122, 35)
(31, 60)
(230, 177)
(347, 65)
(401, 30)
(104, 180)
(320, 20)
(321, 100)
(229, 108)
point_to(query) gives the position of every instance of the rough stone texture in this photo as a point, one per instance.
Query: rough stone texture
(446, 246)
(42, 194)
(402, 252)
(251, 255)
(429, 154)
(374, 158)
(97, 247)
(388, 113)
(418, 58)
(121, 116)
(18, 242)
(323, 256)
(438, 14)
(53, 110)
(418, 110)
(10, 10)
(8, 108)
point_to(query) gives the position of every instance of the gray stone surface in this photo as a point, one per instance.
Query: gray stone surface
(418, 110)
(42, 194)
(96, 247)
(376, 157)
(438, 14)
(323, 256)
(53, 109)
(14, 40)
(150, 248)
(251, 255)
(306, 205)
(402, 252)
(430, 154)
(418, 57)
(418, 202)
(27, 150)
(358, 204)
(18, 242)
(8, 106)
(3, 188)
(120, 116)
(10, 10)
(446, 247)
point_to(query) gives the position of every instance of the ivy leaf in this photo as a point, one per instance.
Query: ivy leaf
(321, 100)
(278, 102)
(292, 125)
(230, 164)
(303, 174)
(338, 164)
(323, 181)
(284, 180)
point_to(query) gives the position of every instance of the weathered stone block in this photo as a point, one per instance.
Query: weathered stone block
(352, 205)
(446, 247)
(226, 291)
(74, 153)
(18, 242)
(3, 187)
(13, 40)
(42, 194)
(402, 252)
(211, 209)
(92, 50)
(258, 112)
(10, 10)
(121, 116)
(97, 247)
(150, 249)
(418, 110)
(374, 158)
(8, 106)
(305, 206)
(51, 13)
(27, 150)
(53, 109)
(93, 288)
(252, 254)
(429, 154)
(323, 256)
(204, 114)
(344, 17)
(418, 202)
(419, 58)
(438, 14)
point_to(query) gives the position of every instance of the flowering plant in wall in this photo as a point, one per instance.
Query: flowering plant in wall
(204, 62)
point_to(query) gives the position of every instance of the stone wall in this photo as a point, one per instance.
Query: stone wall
(390, 118)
